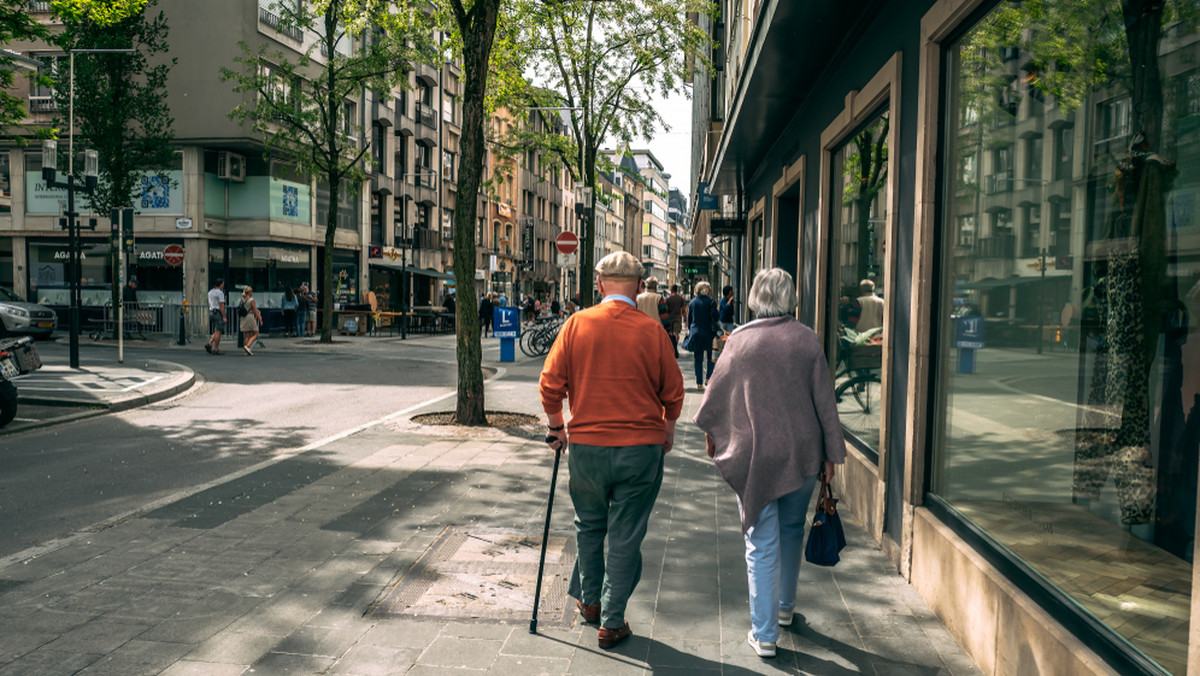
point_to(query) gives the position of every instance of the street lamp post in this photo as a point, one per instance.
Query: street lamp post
(72, 224)
(91, 174)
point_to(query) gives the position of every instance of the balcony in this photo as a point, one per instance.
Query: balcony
(425, 238)
(999, 182)
(272, 19)
(42, 104)
(426, 115)
(39, 7)
(996, 246)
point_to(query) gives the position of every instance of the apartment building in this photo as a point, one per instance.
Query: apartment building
(1020, 436)
(249, 219)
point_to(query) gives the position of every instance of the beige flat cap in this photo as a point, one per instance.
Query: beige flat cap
(620, 265)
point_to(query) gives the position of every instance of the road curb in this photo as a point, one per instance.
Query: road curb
(123, 404)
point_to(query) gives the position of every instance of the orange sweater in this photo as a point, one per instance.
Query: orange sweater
(619, 370)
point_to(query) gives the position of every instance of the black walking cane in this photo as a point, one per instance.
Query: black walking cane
(537, 591)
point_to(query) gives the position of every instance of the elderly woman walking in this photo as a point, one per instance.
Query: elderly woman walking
(771, 425)
(702, 328)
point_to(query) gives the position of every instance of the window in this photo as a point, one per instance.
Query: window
(1033, 159)
(1032, 239)
(1064, 152)
(42, 95)
(966, 230)
(858, 218)
(1064, 390)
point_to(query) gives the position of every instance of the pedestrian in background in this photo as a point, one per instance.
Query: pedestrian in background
(771, 425)
(648, 300)
(216, 316)
(726, 309)
(485, 314)
(555, 307)
(702, 328)
(251, 319)
(308, 301)
(290, 304)
(626, 393)
(675, 305)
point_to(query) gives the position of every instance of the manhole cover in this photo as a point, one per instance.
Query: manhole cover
(484, 575)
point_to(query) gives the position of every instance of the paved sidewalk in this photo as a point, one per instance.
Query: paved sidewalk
(405, 549)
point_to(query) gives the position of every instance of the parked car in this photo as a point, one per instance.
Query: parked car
(19, 317)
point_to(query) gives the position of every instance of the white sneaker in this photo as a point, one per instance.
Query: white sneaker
(762, 648)
(785, 618)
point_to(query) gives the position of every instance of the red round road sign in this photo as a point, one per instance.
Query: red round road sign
(173, 254)
(566, 242)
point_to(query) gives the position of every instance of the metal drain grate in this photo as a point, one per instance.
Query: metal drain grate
(484, 575)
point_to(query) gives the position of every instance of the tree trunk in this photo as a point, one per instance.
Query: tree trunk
(327, 264)
(478, 32)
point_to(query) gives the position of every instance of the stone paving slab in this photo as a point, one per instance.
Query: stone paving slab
(283, 580)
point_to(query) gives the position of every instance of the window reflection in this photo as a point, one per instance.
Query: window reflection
(1070, 366)
(858, 228)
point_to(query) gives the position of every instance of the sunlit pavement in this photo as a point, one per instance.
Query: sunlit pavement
(288, 567)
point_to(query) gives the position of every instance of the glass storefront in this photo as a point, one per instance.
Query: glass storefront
(858, 219)
(48, 280)
(1069, 350)
(268, 269)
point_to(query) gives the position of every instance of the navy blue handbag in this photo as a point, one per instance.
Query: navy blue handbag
(826, 537)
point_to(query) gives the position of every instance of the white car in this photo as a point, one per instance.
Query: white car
(18, 317)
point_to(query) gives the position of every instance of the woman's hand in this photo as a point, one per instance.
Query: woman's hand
(710, 446)
(827, 472)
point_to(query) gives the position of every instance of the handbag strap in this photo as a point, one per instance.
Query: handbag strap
(825, 501)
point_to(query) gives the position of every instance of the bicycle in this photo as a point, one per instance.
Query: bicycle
(537, 339)
(861, 365)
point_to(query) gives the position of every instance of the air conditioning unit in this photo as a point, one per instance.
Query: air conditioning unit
(231, 166)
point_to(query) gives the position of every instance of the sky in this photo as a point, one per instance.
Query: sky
(673, 148)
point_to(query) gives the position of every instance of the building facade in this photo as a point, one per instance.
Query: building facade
(249, 219)
(1015, 191)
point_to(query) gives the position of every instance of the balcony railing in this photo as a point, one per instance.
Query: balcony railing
(1000, 182)
(426, 115)
(996, 246)
(35, 6)
(272, 19)
(425, 238)
(42, 104)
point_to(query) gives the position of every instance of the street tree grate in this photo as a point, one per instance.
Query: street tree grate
(484, 575)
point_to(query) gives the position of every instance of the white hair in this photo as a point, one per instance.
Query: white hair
(773, 293)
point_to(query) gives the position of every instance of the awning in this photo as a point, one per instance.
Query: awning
(992, 282)
(410, 269)
(792, 46)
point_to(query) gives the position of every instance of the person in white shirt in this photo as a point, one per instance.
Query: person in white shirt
(872, 307)
(216, 316)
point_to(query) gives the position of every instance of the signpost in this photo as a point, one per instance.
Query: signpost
(506, 325)
(173, 255)
(969, 337)
(566, 242)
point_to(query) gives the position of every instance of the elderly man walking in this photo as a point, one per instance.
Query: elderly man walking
(626, 392)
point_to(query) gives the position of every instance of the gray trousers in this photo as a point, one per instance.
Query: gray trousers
(613, 489)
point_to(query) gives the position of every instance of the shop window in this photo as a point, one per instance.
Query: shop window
(1067, 427)
(858, 228)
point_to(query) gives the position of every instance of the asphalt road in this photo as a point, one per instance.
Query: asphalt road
(61, 479)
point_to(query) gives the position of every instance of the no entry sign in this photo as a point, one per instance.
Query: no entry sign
(566, 242)
(173, 254)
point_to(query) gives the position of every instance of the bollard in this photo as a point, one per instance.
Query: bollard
(182, 325)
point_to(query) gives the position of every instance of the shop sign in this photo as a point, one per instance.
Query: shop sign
(153, 195)
(480, 275)
(727, 226)
(183, 223)
(506, 210)
(970, 332)
(273, 253)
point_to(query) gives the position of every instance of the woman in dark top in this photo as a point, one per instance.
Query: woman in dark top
(702, 317)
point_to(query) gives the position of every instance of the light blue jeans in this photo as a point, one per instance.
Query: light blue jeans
(774, 547)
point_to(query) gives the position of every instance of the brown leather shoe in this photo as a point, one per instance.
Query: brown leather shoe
(591, 614)
(610, 638)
